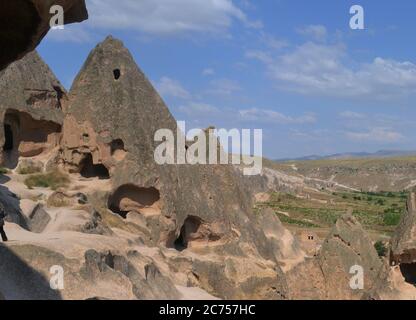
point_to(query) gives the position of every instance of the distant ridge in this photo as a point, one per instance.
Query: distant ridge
(354, 155)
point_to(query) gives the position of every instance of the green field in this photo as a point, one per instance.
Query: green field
(376, 211)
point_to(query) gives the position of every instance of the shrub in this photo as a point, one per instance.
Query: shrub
(4, 171)
(380, 248)
(29, 170)
(52, 180)
(391, 218)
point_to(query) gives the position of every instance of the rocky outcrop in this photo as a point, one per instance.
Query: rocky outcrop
(24, 23)
(346, 250)
(111, 118)
(403, 243)
(198, 218)
(347, 246)
(30, 109)
(398, 278)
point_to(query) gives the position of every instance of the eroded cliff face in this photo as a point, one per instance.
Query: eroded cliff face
(124, 227)
(24, 23)
(167, 226)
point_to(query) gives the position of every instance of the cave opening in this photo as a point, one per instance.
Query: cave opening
(118, 151)
(129, 197)
(27, 137)
(189, 228)
(8, 136)
(408, 271)
(117, 74)
(91, 170)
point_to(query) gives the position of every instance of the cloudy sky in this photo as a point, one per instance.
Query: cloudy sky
(291, 67)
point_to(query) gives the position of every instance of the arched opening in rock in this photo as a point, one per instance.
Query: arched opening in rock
(117, 74)
(8, 137)
(408, 271)
(27, 137)
(129, 197)
(91, 170)
(117, 149)
(188, 233)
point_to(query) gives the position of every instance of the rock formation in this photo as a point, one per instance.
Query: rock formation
(169, 226)
(24, 23)
(397, 279)
(149, 231)
(328, 275)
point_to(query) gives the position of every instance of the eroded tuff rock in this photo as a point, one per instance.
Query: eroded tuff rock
(328, 275)
(397, 279)
(24, 23)
(403, 243)
(110, 123)
(193, 226)
(30, 109)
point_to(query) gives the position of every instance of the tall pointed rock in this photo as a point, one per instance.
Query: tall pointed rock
(30, 109)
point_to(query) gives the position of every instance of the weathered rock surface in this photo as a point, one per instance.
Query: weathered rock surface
(199, 219)
(403, 243)
(328, 275)
(397, 280)
(24, 23)
(30, 109)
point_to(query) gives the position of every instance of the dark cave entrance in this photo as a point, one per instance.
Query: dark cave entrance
(91, 170)
(117, 74)
(190, 227)
(409, 272)
(27, 137)
(129, 197)
(8, 136)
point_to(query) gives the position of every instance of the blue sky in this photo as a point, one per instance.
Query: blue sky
(293, 68)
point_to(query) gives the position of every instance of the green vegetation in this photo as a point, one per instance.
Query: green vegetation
(29, 170)
(378, 211)
(52, 180)
(4, 171)
(381, 248)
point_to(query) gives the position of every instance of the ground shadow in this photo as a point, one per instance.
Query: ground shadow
(19, 281)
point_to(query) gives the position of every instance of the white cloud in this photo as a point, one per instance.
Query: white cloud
(352, 115)
(166, 17)
(74, 33)
(318, 69)
(382, 135)
(224, 87)
(168, 87)
(198, 109)
(317, 32)
(270, 116)
(208, 72)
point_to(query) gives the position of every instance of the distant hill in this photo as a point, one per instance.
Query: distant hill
(354, 155)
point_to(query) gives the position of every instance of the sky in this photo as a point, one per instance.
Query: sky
(293, 68)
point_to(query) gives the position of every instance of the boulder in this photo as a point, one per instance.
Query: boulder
(38, 219)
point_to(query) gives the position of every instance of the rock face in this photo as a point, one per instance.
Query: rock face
(403, 244)
(328, 275)
(110, 122)
(24, 23)
(398, 278)
(348, 245)
(154, 226)
(30, 109)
